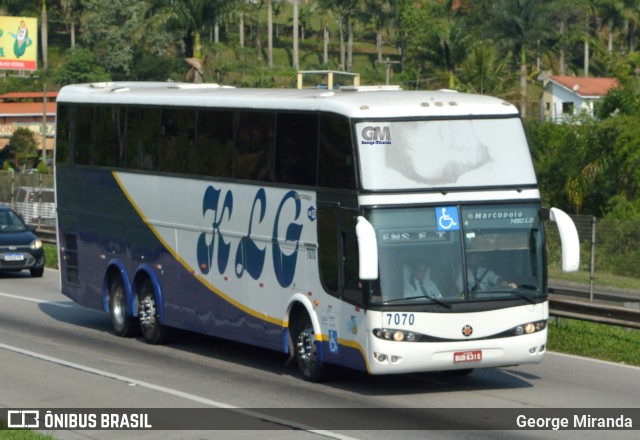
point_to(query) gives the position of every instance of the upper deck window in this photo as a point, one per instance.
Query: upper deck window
(453, 153)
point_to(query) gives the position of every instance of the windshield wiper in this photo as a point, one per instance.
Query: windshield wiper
(525, 296)
(517, 291)
(436, 300)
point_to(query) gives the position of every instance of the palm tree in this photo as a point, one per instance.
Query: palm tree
(45, 35)
(435, 32)
(381, 14)
(612, 13)
(296, 62)
(69, 10)
(485, 71)
(344, 9)
(189, 15)
(631, 17)
(519, 23)
(569, 16)
(270, 33)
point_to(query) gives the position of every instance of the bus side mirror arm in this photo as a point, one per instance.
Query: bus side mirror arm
(569, 240)
(367, 250)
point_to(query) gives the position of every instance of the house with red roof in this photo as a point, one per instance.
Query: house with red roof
(564, 97)
(28, 110)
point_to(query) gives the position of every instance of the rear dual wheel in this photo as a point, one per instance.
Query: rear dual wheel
(122, 320)
(152, 331)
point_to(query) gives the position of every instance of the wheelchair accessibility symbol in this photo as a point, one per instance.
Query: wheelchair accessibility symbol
(447, 218)
(333, 341)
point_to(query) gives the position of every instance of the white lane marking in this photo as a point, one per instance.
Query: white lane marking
(39, 301)
(177, 393)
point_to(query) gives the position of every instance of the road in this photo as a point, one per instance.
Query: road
(56, 354)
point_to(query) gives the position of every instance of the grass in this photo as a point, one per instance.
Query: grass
(51, 256)
(20, 434)
(601, 279)
(593, 340)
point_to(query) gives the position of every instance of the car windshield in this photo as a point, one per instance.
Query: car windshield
(10, 222)
(423, 254)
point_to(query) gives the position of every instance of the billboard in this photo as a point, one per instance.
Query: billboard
(18, 43)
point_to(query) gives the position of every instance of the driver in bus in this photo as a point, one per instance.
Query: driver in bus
(481, 278)
(419, 283)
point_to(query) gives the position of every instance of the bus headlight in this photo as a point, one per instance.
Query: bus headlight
(528, 328)
(396, 335)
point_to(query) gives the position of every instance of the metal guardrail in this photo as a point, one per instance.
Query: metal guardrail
(565, 307)
(46, 235)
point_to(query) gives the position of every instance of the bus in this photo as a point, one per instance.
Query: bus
(292, 220)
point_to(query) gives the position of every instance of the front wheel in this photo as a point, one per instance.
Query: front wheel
(306, 350)
(37, 273)
(122, 321)
(152, 331)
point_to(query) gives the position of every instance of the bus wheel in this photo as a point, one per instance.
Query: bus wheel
(152, 331)
(306, 350)
(122, 322)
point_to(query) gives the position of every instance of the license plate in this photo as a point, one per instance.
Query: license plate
(467, 356)
(13, 257)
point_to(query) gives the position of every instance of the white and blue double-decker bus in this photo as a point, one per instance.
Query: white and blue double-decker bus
(297, 220)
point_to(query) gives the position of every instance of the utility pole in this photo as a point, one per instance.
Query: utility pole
(388, 63)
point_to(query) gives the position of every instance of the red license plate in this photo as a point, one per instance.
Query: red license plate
(467, 356)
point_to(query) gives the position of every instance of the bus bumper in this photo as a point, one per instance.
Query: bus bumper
(391, 357)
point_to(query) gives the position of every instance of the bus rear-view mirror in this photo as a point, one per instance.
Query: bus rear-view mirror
(569, 240)
(367, 249)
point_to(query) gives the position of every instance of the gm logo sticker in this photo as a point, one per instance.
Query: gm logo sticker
(376, 135)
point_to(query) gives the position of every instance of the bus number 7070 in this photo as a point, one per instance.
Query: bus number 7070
(400, 318)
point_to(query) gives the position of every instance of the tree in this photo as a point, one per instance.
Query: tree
(381, 14)
(81, 67)
(296, 16)
(434, 32)
(44, 37)
(113, 33)
(485, 71)
(270, 33)
(23, 145)
(519, 24)
(344, 9)
(70, 12)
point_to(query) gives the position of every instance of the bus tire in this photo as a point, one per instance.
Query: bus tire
(122, 321)
(306, 351)
(152, 331)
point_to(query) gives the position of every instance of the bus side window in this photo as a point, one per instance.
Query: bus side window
(109, 135)
(64, 115)
(176, 141)
(214, 143)
(296, 148)
(336, 167)
(83, 136)
(143, 136)
(253, 158)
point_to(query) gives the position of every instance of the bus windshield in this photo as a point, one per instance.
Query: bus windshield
(449, 254)
(443, 153)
